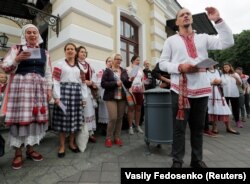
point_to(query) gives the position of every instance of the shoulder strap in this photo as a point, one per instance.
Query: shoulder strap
(116, 77)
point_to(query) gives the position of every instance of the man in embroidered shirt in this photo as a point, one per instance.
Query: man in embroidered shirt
(190, 87)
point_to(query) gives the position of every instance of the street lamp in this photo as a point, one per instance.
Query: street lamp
(3, 40)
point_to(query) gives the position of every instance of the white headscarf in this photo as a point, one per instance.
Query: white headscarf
(24, 28)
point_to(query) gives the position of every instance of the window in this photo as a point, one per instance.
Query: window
(129, 39)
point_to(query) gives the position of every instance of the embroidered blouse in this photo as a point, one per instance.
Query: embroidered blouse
(138, 81)
(10, 66)
(64, 73)
(229, 85)
(177, 50)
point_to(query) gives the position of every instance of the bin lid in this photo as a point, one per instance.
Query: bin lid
(157, 90)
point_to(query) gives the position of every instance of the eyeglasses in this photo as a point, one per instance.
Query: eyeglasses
(118, 59)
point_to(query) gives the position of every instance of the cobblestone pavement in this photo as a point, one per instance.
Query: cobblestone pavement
(99, 164)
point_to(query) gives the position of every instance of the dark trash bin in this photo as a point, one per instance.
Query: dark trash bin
(158, 116)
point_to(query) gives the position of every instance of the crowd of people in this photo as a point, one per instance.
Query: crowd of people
(98, 99)
(75, 89)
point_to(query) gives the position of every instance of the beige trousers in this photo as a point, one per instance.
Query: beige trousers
(116, 111)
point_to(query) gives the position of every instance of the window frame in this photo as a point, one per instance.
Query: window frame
(128, 40)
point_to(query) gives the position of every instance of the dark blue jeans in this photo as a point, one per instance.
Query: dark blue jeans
(195, 117)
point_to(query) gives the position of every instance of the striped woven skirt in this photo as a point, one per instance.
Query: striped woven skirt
(71, 97)
(26, 93)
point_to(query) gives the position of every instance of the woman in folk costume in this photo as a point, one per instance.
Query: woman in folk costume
(103, 117)
(230, 82)
(89, 109)
(27, 94)
(218, 109)
(67, 92)
(137, 88)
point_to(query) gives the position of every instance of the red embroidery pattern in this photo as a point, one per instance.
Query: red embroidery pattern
(89, 119)
(213, 95)
(183, 102)
(26, 123)
(87, 67)
(214, 118)
(195, 92)
(9, 69)
(190, 46)
(57, 73)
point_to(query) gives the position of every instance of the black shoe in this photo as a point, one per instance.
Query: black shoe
(198, 164)
(61, 155)
(233, 132)
(76, 150)
(176, 164)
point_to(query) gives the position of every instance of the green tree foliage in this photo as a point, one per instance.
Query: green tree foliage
(238, 55)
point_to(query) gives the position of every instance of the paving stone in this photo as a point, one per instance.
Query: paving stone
(73, 178)
(127, 164)
(151, 165)
(90, 176)
(110, 176)
(65, 171)
(126, 158)
(48, 178)
(110, 166)
(101, 165)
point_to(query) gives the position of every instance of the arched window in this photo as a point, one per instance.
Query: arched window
(129, 39)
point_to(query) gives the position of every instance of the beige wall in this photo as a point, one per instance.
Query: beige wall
(101, 4)
(146, 14)
(143, 12)
(90, 24)
(13, 39)
(8, 22)
(149, 42)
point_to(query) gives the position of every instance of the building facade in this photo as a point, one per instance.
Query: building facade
(108, 26)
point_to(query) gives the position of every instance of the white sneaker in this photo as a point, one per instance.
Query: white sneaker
(138, 128)
(131, 131)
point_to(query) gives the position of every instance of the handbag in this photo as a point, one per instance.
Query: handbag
(129, 97)
(2, 146)
(82, 137)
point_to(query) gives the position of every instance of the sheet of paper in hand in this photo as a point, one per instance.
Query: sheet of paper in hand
(63, 107)
(134, 71)
(206, 63)
(35, 53)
